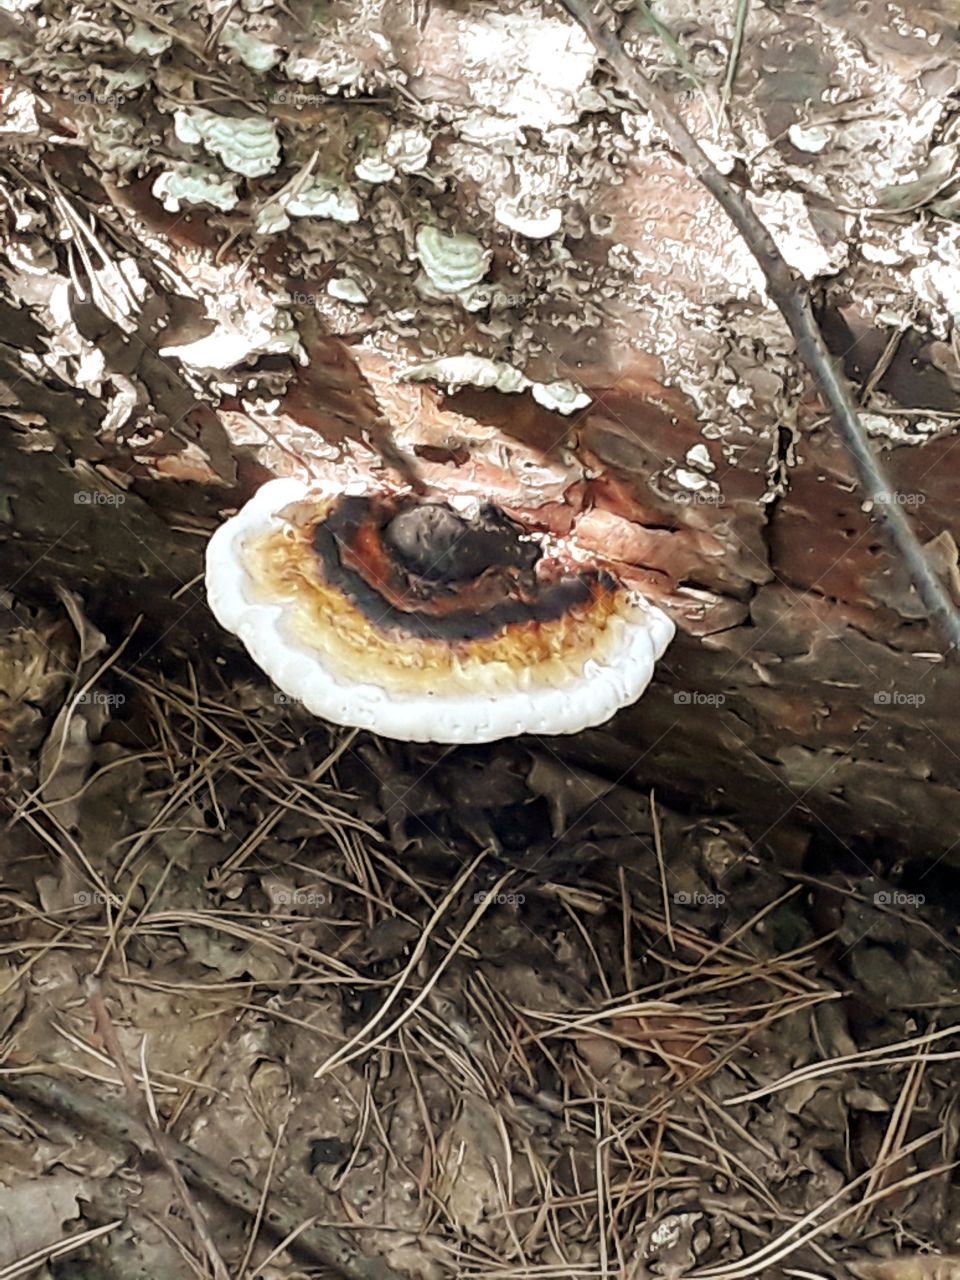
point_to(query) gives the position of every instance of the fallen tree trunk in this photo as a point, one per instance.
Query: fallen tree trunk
(804, 687)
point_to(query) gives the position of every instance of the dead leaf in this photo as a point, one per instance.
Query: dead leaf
(92, 640)
(66, 755)
(65, 760)
(470, 1150)
(12, 997)
(33, 1214)
(600, 1053)
(679, 1038)
(939, 173)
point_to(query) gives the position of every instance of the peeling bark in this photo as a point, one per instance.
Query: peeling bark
(804, 687)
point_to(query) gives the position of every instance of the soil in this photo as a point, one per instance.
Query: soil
(465, 1012)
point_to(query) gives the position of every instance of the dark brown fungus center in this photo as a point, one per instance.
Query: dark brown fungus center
(433, 573)
(434, 542)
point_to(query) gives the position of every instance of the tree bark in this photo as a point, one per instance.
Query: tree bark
(804, 687)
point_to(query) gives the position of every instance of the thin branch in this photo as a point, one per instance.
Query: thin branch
(792, 299)
(329, 1247)
(733, 62)
(108, 1036)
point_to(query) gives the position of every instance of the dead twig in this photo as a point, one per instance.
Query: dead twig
(108, 1036)
(733, 62)
(330, 1248)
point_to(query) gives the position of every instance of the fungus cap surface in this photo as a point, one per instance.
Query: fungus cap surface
(412, 620)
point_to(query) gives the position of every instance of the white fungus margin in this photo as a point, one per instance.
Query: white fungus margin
(240, 606)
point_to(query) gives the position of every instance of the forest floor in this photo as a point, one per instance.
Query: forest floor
(277, 1001)
(438, 1012)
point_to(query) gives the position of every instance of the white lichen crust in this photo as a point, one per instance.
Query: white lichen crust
(247, 145)
(195, 184)
(459, 371)
(614, 675)
(452, 262)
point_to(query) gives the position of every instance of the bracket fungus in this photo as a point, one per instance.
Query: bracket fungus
(420, 621)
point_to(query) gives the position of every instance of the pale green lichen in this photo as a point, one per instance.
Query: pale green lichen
(324, 200)
(272, 219)
(559, 397)
(453, 263)
(346, 290)
(518, 215)
(247, 145)
(144, 39)
(122, 81)
(812, 138)
(407, 150)
(318, 200)
(374, 169)
(476, 298)
(496, 375)
(253, 52)
(339, 70)
(117, 142)
(194, 184)
(474, 371)
(486, 130)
